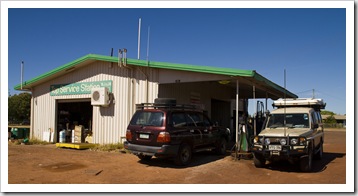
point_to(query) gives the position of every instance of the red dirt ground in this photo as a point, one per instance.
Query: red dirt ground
(46, 164)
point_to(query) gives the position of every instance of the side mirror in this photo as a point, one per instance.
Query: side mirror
(315, 126)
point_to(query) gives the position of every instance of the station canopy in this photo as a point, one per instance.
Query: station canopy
(250, 83)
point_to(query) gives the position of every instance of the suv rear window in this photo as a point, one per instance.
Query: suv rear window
(147, 118)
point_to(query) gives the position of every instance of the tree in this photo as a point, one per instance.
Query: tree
(19, 107)
(330, 119)
(326, 112)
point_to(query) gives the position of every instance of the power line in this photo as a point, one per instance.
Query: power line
(331, 96)
(315, 92)
(304, 91)
(312, 90)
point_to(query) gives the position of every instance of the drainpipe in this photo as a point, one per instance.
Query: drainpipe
(134, 81)
(130, 92)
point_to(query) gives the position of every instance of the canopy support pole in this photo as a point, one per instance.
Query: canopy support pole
(255, 110)
(266, 102)
(237, 145)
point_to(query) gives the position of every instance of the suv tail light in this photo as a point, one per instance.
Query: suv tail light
(129, 135)
(163, 137)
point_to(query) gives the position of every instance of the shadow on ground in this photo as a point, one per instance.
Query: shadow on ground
(199, 158)
(317, 165)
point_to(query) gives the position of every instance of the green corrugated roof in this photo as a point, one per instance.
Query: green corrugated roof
(153, 64)
(162, 65)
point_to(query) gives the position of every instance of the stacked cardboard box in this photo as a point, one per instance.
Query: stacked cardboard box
(78, 134)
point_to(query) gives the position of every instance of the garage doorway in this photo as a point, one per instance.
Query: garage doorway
(74, 112)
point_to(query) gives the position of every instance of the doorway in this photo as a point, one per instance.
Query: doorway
(71, 113)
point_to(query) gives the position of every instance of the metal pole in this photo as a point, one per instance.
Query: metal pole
(22, 72)
(140, 22)
(237, 112)
(284, 98)
(266, 102)
(148, 45)
(237, 120)
(255, 110)
(146, 76)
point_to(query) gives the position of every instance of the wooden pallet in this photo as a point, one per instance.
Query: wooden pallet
(75, 145)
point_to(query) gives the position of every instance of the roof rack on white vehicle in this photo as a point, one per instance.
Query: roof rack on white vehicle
(300, 102)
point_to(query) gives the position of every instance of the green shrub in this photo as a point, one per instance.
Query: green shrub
(37, 141)
(108, 147)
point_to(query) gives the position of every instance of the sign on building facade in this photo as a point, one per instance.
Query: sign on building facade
(78, 88)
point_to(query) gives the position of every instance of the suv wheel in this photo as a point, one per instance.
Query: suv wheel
(306, 161)
(144, 157)
(184, 155)
(319, 154)
(221, 147)
(259, 160)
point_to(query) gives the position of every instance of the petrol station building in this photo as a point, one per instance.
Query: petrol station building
(101, 92)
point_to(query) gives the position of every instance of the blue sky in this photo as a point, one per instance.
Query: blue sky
(309, 43)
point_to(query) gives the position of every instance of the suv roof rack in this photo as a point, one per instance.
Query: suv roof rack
(166, 106)
(317, 104)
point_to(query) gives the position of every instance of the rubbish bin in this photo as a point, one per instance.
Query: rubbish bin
(14, 133)
(20, 133)
(25, 133)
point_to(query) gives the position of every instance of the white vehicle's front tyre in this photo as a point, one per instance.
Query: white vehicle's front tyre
(306, 161)
(259, 160)
(319, 154)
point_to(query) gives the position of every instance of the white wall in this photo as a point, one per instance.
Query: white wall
(109, 124)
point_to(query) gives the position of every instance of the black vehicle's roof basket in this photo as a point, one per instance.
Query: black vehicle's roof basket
(166, 103)
(168, 106)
